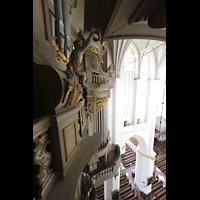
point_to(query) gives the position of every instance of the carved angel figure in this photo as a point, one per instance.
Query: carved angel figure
(77, 56)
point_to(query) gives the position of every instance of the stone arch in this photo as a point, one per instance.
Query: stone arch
(135, 52)
(142, 143)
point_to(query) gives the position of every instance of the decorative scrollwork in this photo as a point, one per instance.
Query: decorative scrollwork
(105, 92)
(87, 185)
(42, 158)
(73, 87)
(100, 102)
(90, 105)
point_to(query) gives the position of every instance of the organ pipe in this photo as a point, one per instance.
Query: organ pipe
(102, 124)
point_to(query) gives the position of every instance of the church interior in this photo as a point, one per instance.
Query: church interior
(99, 100)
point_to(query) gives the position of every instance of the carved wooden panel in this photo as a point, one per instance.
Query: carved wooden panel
(41, 161)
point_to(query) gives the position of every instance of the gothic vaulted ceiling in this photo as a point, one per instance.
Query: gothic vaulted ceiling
(126, 19)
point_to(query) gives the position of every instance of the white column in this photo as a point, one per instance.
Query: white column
(138, 100)
(151, 117)
(144, 169)
(115, 129)
(110, 186)
(135, 99)
(108, 189)
(113, 184)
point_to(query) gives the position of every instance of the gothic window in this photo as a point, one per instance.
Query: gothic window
(128, 75)
(143, 88)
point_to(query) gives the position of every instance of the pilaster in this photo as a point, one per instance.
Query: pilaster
(135, 100)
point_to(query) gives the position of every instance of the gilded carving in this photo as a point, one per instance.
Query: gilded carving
(100, 102)
(90, 105)
(95, 70)
(105, 92)
(73, 87)
(58, 54)
(42, 158)
(88, 52)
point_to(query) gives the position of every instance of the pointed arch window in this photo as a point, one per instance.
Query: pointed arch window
(142, 103)
(128, 73)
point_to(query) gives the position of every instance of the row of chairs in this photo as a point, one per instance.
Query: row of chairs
(100, 191)
(129, 157)
(126, 192)
(161, 164)
(134, 141)
(159, 146)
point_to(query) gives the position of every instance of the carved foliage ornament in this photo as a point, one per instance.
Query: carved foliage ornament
(100, 102)
(90, 105)
(58, 54)
(42, 158)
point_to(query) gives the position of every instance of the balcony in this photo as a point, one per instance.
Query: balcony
(107, 165)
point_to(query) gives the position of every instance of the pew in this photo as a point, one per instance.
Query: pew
(127, 154)
(127, 195)
(161, 164)
(160, 192)
(160, 159)
(134, 198)
(134, 141)
(129, 157)
(100, 191)
(125, 189)
(156, 186)
(123, 184)
(159, 146)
